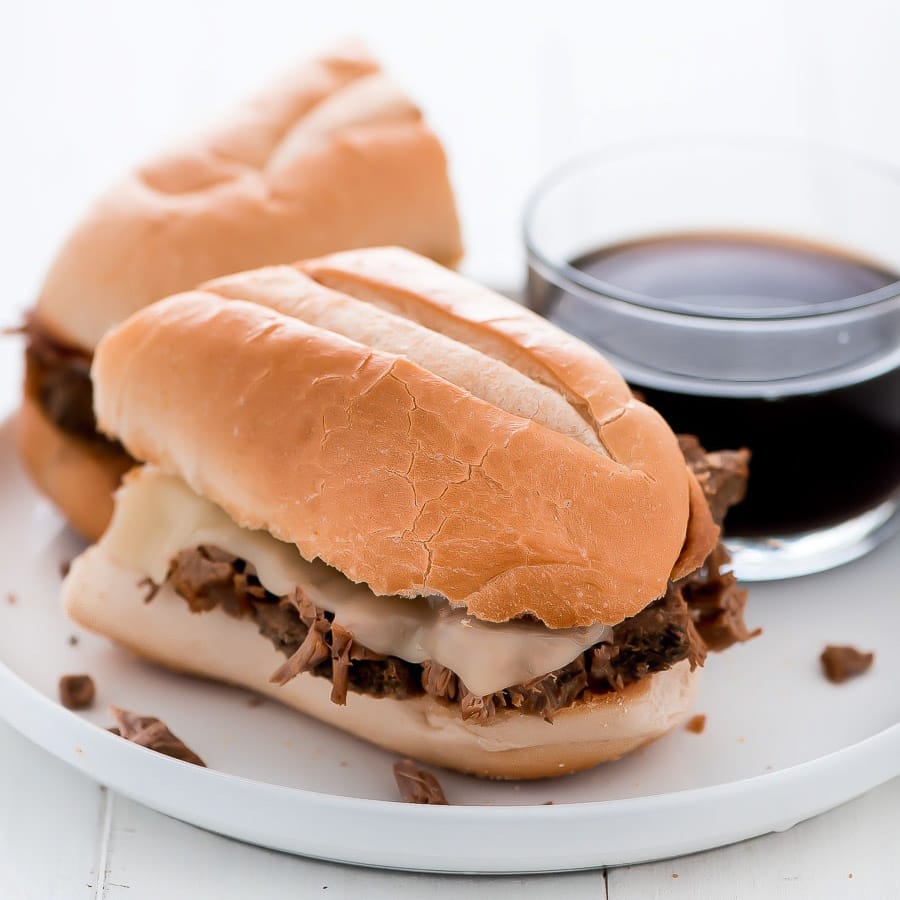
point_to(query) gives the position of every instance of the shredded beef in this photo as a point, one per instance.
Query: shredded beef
(59, 377)
(548, 693)
(325, 649)
(77, 691)
(603, 667)
(439, 681)
(477, 709)
(281, 625)
(840, 663)
(66, 395)
(391, 677)
(309, 656)
(722, 475)
(541, 696)
(416, 785)
(653, 640)
(201, 580)
(207, 577)
(701, 612)
(717, 602)
(341, 642)
(150, 732)
(315, 647)
(714, 598)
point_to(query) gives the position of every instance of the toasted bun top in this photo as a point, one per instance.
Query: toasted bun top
(361, 443)
(411, 286)
(332, 156)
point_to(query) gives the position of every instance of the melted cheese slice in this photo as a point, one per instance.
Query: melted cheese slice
(158, 515)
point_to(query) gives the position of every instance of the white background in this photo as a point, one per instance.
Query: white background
(86, 88)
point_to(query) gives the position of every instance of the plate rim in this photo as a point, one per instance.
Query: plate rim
(802, 791)
(10, 683)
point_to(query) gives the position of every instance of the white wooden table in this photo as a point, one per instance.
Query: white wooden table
(514, 87)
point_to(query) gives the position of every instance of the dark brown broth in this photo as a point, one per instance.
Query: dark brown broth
(818, 459)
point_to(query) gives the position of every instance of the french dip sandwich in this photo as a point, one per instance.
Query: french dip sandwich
(332, 157)
(411, 508)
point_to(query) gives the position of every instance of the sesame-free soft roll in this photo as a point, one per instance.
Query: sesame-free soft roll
(332, 156)
(366, 470)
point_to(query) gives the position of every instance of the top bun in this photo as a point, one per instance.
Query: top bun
(331, 157)
(415, 431)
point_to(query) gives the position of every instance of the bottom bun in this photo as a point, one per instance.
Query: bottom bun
(77, 476)
(104, 598)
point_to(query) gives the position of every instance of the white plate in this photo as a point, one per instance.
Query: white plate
(781, 744)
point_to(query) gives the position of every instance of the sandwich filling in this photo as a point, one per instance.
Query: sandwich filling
(58, 376)
(325, 625)
(165, 532)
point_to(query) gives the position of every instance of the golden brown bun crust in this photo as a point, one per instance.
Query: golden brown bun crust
(332, 156)
(395, 476)
(79, 478)
(631, 431)
(600, 728)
